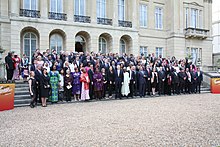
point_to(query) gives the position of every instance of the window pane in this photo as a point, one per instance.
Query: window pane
(30, 44)
(82, 7)
(27, 4)
(76, 7)
(53, 5)
(34, 5)
(60, 6)
(56, 42)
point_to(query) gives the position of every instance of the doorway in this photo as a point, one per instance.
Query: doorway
(78, 47)
(79, 44)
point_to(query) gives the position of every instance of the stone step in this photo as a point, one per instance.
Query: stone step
(22, 92)
(20, 97)
(18, 102)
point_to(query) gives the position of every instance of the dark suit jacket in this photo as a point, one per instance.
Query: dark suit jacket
(90, 73)
(199, 77)
(38, 76)
(120, 78)
(161, 75)
(9, 61)
(141, 78)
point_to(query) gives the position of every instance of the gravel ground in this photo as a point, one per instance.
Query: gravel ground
(189, 120)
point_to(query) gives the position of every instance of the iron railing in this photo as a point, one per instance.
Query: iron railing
(104, 21)
(83, 19)
(30, 13)
(122, 23)
(57, 16)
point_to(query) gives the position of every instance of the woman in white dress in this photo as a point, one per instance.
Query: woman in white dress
(125, 87)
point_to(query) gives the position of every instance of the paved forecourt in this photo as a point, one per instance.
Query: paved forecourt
(186, 120)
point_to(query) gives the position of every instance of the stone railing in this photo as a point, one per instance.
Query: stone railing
(122, 23)
(104, 21)
(196, 33)
(57, 16)
(30, 13)
(83, 19)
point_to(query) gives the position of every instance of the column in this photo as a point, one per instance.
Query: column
(92, 5)
(44, 5)
(115, 15)
(14, 7)
(68, 5)
(134, 7)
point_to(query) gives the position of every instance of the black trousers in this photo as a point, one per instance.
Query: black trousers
(175, 88)
(104, 90)
(142, 88)
(110, 89)
(198, 87)
(91, 91)
(131, 87)
(182, 86)
(161, 87)
(38, 94)
(10, 74)
(188, 87)
(118, 89)
(68, 93)
(148, 87)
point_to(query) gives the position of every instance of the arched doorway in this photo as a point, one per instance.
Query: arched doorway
(79, 44)
(82, 42)
(105, 43)
(125, 44)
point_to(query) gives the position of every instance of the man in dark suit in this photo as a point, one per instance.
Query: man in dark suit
(183, 78)
(119, 79)
(142, 82)
(132, 81)
(175, 82)
(38, 75)
(194, 81)
(199, 80)
(161, 77)
(91, 88)
(9, 66)
(148, 79)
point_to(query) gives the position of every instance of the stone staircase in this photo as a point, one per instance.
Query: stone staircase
(22, 96)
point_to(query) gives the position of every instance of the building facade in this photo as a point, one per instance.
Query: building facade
(180, 28)
(216, 26)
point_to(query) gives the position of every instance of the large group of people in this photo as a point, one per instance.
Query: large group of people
(85, 76)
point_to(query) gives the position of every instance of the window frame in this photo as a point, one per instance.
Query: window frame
(79, 7)
(30, 5)
(120, 45)
(30, 44)
(102, 41)
(121, 5)
(101, 8)
(157, 51)
(56, 42)
(143, 14)
(144, 50)
(57, 5)
(158, 15)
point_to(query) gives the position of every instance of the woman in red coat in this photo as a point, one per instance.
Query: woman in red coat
(84, 79)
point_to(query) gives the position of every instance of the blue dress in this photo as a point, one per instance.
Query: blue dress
(76, 83)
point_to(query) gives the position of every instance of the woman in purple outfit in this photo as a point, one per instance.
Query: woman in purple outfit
(98, 84)
(76, 84)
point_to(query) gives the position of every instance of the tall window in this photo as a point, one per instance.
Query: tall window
(159, 18)
(102, 45)
(143, 15)
(121, 9)
(186, 16)
(143, 50)
(30, 44)
(56, 6)
(194, 55)
(30, 4)
(101, 8)
(159, 51)
(122, 47)
(56, 42)
(80, 7)
(194, 16)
